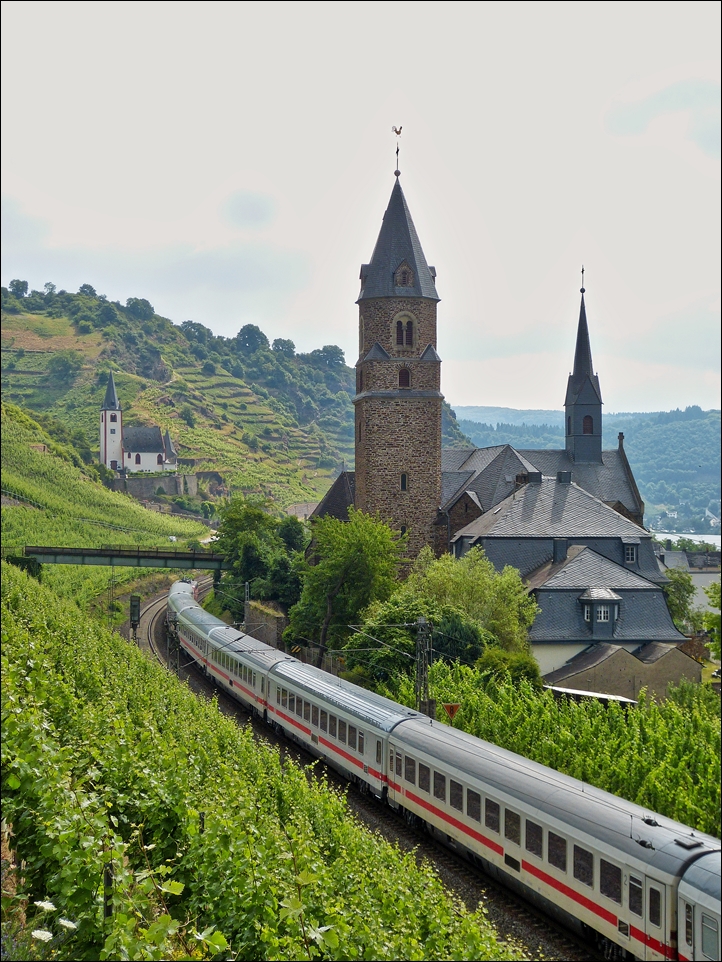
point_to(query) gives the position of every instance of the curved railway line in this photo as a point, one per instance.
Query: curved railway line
(514, 919)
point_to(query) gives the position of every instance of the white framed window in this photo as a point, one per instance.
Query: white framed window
(587, 612)
(630, 553)
(603, 613)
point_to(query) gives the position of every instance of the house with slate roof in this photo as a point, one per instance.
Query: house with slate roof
(135, 448)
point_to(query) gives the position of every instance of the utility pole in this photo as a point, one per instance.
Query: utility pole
(424, 704)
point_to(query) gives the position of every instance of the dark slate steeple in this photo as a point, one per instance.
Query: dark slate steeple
(398, 267)
(583, 403)
(111, 402)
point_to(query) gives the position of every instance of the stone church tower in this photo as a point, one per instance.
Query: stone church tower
(583, 401)
(398, 401)
(111, 428)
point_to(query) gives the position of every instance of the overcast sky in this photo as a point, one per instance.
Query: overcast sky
(231, 162)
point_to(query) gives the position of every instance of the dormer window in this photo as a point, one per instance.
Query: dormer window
(404, 276)
(603, 613)
(630, 554)
(587, 612)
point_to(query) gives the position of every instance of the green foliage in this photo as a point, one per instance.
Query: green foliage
(355, 563)
(65, 365)
(140, 308)
(18, 288)
(108, 763)
(664, 756)
(516, 665)
(680, 595)
(712, 618)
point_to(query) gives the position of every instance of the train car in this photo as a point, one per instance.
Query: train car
(606, 867)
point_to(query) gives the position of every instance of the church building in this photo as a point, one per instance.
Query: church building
(132, 449)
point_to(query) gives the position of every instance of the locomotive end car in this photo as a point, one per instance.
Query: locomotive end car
(640, 885)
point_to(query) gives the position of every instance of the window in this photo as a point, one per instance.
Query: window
(424, 778)
(159, 459)
(360, 381)
(314, 716)
(688, 924)
(588, 424)
(332, 727)
(534, 839)
(410, 770)
(655, 907)
(404, 377)
(400, 333)
(557, 851)
(324, 720)
(306, 711)
(404, 482)
(602, 612)
(409, 333)
(360, 743)
(284, 698)
(584, 866)
(569, 425)
(278, 695)
(473, 805)
(399, 763)
(137, 459)
(456, 795)
(710, 940)
(630, 553)
(587, 612)
(440, 786)
(299, 707)
(492, 815)
(342, 730)
(512, 826)
(636, 896)
(352, 737)
(291, 701)
(113, 417)
(610, 881)
(379, 749)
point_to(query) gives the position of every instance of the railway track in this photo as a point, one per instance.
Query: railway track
(515, 920)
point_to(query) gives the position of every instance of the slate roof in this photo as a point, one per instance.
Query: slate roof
(453, 484)
(338, 498)
(551, 509)
(598, 653)
(675, 559)
(170, 451)
(110, 402)
(652, 652)
(377, 353)
(430, 354)
(397, 242)
(139, 440)
(584, 568)
(583, 369)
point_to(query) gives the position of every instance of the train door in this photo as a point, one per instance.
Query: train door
(655, 922)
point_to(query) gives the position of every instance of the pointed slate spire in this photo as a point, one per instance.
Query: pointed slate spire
(111, 402)
(398, 267)
(583, 368)
(170, 451)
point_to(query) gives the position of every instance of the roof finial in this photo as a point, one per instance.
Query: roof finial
(397, 131)
(581, 289)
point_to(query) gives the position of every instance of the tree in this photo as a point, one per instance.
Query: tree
(107, 314)
(250, 339)
(64, 365)
(518, 665)
(49, 289)
(328, 356)
(18, 288)
(140, 308)
(194, 331)
(88, 290)
(680, 594)
(285, 347)
(712, 619)
(355, 564)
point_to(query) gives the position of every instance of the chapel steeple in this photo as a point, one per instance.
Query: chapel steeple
(111, 428)
(583, 402)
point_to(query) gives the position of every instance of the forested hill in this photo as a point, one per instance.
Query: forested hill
(675, 455)
(269, 420)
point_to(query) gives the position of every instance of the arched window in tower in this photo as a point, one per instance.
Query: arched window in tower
(113, 417)
(409, 333)
(159, 459)
(404, 482)
(404, 377)
(137, 459)
(569, 425)
(400, 333)
(588, 424)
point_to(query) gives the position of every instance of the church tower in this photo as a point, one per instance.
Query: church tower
(583, 403)
(111, 428)
(398, 374)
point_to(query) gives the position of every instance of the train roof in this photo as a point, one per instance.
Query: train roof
(704, 875)
(374, 709)
(662, 842)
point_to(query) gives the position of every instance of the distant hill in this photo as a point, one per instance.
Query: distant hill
(675, 455)
(271, 421)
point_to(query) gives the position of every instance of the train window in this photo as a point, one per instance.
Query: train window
(710, 937)
(284, 698)
(557, 851)
(360, 743)
(324, 720)
(688, 924)
(534, 839)
(342, 730)
(636, 896)
(473, 805)
(655, 907)
(456, 795)
(291, 702)
(332, 726)
(424, 778)
(307, 711)
(263, 684)
(410, 770)
(314, 716)
(512, 826)
(440, 786)
(254, 679)
(610, 881)
(352, 736)
(399, 762)
(491, 815)
(244, 673)
(584, 867)
(379, 749)
(299, 707)
(278, 695)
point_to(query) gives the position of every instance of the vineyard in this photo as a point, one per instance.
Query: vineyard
(664, 756)
(151, 826)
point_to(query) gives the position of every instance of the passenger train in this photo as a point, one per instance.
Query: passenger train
(640, 885)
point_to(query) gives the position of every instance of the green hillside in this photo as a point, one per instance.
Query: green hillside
(59, 501)
(271, 421)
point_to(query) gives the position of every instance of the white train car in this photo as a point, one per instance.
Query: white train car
(642, 886)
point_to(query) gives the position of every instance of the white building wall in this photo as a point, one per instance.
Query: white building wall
(551, 656)
(111, 438)
(148, 461)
